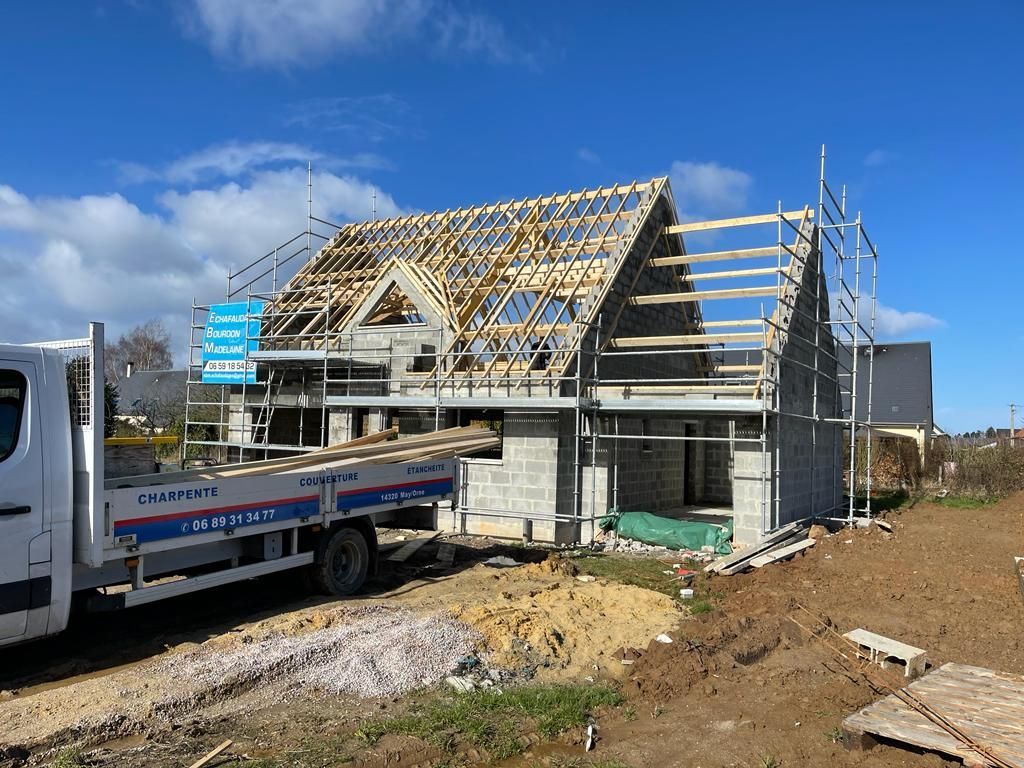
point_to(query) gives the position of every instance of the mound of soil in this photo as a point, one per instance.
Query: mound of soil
(710, 644)
(565, 629)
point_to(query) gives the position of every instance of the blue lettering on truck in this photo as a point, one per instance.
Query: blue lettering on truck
(174, 524)
(162, 497)
(171, 524)
(388, 494)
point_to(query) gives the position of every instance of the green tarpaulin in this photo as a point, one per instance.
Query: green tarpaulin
(666, 532)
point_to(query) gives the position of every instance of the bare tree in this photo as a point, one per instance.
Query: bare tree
(159, 414)
(148, 346)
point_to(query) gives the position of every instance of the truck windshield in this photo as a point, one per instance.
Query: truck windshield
(12, 402)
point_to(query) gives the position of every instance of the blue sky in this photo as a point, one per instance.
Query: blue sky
(146, 146)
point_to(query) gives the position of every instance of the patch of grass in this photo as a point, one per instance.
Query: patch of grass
(769, 761)
(966, 502)
(629, 714)
(885, 501)
(492, 720)
(836, 735)
(700, 606)
(658, 711)
(643, 572)
(68, 758)
(579, 762)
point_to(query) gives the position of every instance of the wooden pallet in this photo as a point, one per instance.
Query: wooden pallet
(985, 705)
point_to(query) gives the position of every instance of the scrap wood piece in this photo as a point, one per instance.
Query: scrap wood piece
(986, 707)
(212, 754)
(446, 554)
(407, 550)
(782, 552)
(741, 556)
(1019, 562)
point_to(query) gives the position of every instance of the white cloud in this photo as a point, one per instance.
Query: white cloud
(877, 157)
(232, 159)
(708, 189)
(891, 323)
(301, 33)
(69, 260)
(372, 118)
(237, 223)
(588, 156)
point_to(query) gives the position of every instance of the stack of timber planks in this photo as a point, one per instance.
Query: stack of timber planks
(780, 545)
(378, 448)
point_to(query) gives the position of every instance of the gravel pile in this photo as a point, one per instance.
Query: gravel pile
(371, 652)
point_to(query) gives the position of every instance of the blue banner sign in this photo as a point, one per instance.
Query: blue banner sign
(228, 337)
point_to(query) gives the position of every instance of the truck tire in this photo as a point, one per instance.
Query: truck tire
(342, 562)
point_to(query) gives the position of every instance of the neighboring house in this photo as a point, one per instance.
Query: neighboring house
(151, 400)
(901, 390)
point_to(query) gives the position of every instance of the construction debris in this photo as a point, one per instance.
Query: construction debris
(212, 754)
(888, 653)
(970, 713)
(500, 561)
(782, 553)
(446, 554)
(780, 545)
(411, 547)
(1019, 565)
(669, 533)
(907, 716)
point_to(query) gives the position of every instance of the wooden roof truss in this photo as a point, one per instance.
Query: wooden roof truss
(514, 285)
(507, 281)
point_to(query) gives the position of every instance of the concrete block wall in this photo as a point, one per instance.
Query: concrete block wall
(651, 473)
(718, 463)
(752, 489)
(809, 456)
(647, 319)
(529, 479)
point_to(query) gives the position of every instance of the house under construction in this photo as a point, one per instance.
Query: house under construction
(628, 359)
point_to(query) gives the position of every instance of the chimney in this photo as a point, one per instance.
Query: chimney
(128, 369)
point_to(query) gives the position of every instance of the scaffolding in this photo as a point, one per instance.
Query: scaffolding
(523, 306)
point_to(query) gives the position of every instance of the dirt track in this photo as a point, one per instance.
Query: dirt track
(739, 684)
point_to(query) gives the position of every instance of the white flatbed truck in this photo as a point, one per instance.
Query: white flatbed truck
(65, 531)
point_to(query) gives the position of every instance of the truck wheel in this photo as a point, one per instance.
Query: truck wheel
(342, 562)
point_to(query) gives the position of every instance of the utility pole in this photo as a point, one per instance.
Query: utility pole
(1013, 419)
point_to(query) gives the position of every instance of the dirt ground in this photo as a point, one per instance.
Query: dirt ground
(741, 685)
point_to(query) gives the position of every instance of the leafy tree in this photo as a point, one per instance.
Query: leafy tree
(148, 346)
(111, 400)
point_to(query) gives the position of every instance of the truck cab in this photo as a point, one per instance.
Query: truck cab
(35, 493)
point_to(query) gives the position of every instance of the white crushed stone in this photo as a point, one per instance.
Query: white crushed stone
(371, 652)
